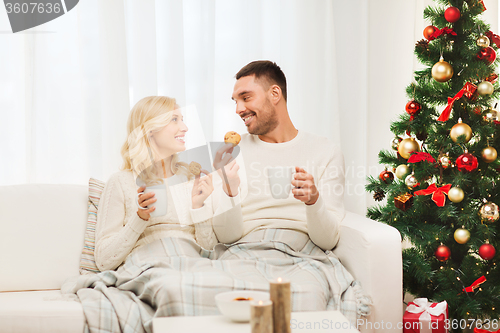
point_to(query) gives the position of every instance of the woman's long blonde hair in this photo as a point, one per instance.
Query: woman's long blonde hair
(149, 115)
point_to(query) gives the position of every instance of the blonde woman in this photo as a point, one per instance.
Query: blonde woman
(156, 133)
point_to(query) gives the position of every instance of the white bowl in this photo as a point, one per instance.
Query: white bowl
(238, 310)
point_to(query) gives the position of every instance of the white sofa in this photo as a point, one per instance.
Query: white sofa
(42, 237)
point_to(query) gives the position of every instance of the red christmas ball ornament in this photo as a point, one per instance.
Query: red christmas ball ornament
(386, 176)
(413, 108)
(443, 253)
(466, 162)
(487, 251)
(487, 54)
(428, 31)
(452, 14)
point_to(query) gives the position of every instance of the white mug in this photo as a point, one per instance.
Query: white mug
(280, 181)
(160, 192)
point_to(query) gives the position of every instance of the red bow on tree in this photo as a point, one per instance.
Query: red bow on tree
(421, 156)
(438, 193)
(440, 32)
(468, 90)
(475, 285)
(493, 38)
(482, 5)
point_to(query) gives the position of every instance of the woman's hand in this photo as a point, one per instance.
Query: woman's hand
(202, 189)
(227, 168)
(145, 200)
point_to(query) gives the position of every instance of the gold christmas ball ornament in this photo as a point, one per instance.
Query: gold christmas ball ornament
(485, 88)
(461, 235)
(444, 160)
(456, 194)
(395, 142)
(489, 212)
(461, 129)
(402, 170)
(483, 41)
(490, 115)
(411, 181)
(407, 146)
(442, 71)
(489, 154)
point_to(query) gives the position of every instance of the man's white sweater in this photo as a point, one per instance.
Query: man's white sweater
(254, 207)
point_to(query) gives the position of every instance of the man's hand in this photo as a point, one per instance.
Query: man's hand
(305, 190)
(227, 168)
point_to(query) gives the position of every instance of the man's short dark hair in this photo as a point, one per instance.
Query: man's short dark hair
(267, 70)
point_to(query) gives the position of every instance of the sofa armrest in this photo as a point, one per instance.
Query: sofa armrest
(43, 230)
(371, 252)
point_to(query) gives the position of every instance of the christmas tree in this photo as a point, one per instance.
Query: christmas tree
(445, 196)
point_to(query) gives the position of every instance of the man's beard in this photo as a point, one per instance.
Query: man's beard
(267, 120)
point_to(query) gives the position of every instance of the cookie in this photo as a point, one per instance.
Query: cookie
(195, 168)
(232, 137)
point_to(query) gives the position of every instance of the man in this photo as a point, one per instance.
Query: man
(316, 207)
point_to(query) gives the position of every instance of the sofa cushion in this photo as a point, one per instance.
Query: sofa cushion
(87, 260)
(42, 234)
(40, 311)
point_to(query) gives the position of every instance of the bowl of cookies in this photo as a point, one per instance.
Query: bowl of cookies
(235, 305)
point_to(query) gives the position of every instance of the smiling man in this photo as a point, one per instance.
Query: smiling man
(315, 206)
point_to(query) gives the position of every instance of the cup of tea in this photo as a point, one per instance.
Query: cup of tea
(160, 192)
(280, 181)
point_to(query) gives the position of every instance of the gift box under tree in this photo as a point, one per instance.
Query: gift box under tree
(422, 316)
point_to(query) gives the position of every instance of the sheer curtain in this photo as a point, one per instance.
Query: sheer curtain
(67, 86)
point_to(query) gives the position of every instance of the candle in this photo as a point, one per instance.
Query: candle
(282, 307)
(261, 316)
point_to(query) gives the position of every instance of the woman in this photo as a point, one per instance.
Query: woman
(156, 133)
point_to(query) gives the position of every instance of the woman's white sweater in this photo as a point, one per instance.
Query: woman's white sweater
(120, 230)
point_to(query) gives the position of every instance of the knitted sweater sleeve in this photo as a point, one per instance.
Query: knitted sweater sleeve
(115, 237)
(204, 234)
(228, 216)
(326, 214)
(202, 219)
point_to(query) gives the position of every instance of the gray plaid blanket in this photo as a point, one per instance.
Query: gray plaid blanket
(176, 277)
